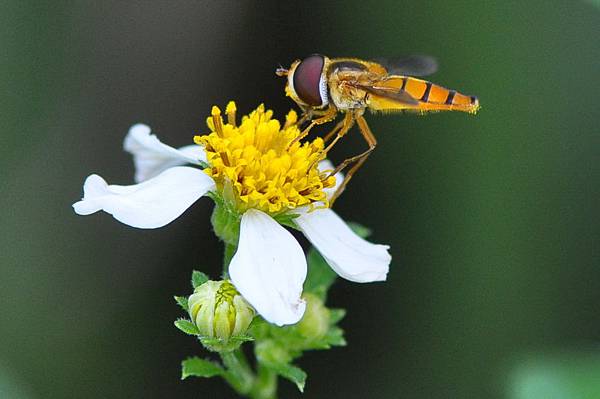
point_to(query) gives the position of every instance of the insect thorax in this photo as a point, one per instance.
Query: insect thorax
(342, 90)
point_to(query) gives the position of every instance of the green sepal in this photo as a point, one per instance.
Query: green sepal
(183, 302)
(226, 221)
(202, 164)
(196, 367)
(198, 278)
(287, 219)
(221, 345)
(187, 326)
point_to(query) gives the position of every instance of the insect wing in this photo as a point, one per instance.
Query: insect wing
(414, 65)
(391, 93)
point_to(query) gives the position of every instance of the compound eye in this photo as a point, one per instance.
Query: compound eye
(308, 84)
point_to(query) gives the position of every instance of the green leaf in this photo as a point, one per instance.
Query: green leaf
(187, 326)
(335, 337)
(183, 302)
(335, 315)
(320, 276)
(197, 367)
(359, 229)
(292, 373)
(198, 278)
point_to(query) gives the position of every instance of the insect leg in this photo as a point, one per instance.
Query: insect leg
(359, 159)
(344, 126)
(333, 131)
(327, 116)
(307, 115)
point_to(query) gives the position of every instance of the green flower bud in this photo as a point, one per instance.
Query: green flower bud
(220, 313)
(316, 320)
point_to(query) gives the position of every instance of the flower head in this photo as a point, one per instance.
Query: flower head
(262, 172)
(267, 167)
(219, 311)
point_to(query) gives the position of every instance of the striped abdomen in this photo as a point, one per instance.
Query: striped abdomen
(429, 96)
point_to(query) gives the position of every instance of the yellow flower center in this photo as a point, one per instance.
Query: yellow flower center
(264, 164)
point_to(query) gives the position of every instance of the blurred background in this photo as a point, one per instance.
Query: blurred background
(493, 219)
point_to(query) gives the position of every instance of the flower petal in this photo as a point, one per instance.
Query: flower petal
(326, 166)
(269, 269)
(148, 205)
(349, 255)
(151, 156)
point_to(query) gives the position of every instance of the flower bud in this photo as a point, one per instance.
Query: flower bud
(315, 322)
(219, 311)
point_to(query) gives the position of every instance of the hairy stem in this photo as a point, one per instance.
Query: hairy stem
(239, 374)
(265, 385)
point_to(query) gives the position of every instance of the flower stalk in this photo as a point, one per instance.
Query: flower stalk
(240, 376)
(265, 386)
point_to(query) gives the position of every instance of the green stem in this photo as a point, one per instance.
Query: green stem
(265, 385)
(239, 374)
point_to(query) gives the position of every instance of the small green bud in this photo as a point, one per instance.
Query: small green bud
(220, 314)
(315, 323)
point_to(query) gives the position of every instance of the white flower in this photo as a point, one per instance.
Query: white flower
(269, 267)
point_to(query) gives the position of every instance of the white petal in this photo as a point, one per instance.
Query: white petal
(151, 156)
(148, 205)
(352, 257)
(326, 166)
(269, 269)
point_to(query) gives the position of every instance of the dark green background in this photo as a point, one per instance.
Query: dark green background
(493, 220)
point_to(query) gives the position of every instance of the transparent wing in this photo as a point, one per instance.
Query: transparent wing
(389, 90)
(412, 65)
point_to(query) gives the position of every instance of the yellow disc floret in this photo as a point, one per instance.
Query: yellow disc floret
(265, 164)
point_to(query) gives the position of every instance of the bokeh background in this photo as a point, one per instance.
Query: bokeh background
(493, 220)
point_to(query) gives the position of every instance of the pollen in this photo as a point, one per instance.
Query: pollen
(263, 163)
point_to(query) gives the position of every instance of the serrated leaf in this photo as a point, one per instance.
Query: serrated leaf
(292, 373)
(320, 276)
(335, 315)
(359, 229)
(183, 302)
(187, 326)
(197, 367)
(335, 337)
(198, 278)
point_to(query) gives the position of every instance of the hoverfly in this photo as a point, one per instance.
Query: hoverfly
(322, 87)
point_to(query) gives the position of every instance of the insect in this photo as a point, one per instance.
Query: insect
(322, 87)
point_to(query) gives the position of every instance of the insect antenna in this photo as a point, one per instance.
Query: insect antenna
(281, 71)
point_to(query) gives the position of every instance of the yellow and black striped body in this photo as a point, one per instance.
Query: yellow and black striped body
(429, 96)
(354, 83)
